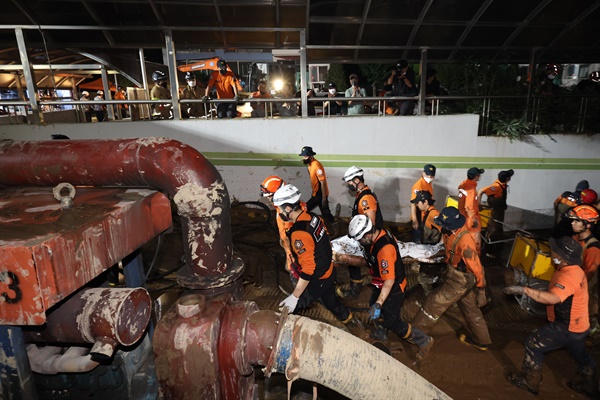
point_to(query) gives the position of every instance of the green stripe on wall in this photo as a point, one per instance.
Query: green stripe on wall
(292, 160)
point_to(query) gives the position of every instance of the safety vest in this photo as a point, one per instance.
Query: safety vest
(322, 245)
(371, 257)
(378, 215)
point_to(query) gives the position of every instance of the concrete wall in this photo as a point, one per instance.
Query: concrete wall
(392, 150)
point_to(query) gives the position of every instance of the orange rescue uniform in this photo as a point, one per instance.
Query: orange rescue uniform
(468, 205)
(223, 84)
(421, 186)
(570, 285)
(465, 251)
(315, 261)
(317, 174)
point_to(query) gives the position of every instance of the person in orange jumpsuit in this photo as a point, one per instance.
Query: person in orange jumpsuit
(567, 310)
(431, 233)
(225, 82)
(468, 204)
(259, 110)
(382, 256)
(584, 219)
(423, 184)
(365, 203)
(497, 194)
(312, 251)
(319, 196)
(268, 187)
(562, 204)
(464, 283)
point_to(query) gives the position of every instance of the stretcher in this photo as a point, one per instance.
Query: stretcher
(410, 252)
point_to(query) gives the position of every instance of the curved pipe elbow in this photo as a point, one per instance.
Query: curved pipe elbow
(184, 173)
(48, 360)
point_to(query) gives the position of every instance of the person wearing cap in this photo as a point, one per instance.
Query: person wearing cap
(496, 194)
(388, 283)
(567, 311)
(423, 184)
(312, 251)
(355, 107)
(319, 196)
(331, 106)
(431, 233)
(99, 109)
(87, 109)
(226, 85)
(464, 283)
(468, 203)
(268, 187)
(402, 79)
(562, 204)
(259, 109)
(192, 91)
(365, 203)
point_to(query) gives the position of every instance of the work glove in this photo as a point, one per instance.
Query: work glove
(520, 290)
(480, 297)
(374, 311)
(290, 302)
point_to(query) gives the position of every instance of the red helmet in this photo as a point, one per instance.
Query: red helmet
(270, 185)
(588, 196)
(595, 76)
(584, 213)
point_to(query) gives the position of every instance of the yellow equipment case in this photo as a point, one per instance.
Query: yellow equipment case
(485, 213)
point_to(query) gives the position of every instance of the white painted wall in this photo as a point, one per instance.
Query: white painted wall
(340, 143)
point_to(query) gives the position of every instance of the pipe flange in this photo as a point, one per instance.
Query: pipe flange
(270, 367)
(66, 202)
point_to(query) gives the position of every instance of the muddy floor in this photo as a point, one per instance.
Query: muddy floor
(460, 371)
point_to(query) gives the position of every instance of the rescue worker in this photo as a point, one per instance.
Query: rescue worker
(268, 187)
(562, 204)
(383, 258)
(431, 233)
(318, 182)
(584, 219)
(225, 83)
(496, 194)
(365, 203)
(192, 91)
(468, 204)
(567, 310)
(589, 197)
(121, 109)
(423, 184)
(160, 92)
(464, 283)
(312, 251)
(87, 109)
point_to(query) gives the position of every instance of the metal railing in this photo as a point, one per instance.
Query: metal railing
(547, 113)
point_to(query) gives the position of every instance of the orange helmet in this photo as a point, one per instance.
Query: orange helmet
(584, 213)
(270, 185)
(588, 196)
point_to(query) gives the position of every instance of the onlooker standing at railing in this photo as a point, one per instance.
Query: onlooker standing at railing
(331, 106)
(402, 78)
(87, 109)
(355, 107)
(99, 109)
(259, 108)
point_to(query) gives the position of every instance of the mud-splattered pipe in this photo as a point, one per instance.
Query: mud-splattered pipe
(105, 317)
(318, 352)
(49, 360)
(181, 171)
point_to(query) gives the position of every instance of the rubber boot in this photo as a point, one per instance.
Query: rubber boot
(528, 379)
(379, 333)
(421, 339)
(352, 292)
(587, 382)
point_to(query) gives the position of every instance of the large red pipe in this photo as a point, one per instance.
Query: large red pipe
(181, 171)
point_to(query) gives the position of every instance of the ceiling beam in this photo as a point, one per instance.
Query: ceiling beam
(220, 21)
(417, 25)
(361, 29)
(469, 27)
(98, 20)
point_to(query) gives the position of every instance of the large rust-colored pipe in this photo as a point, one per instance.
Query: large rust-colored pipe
(161, 163)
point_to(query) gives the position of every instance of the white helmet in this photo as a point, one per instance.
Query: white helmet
(352, 173)
(287, 194)
(100, 92)
(359, 226)
(85, 93)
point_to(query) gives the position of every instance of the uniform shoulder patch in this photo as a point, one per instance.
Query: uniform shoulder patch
(314, 221)
(558, 285)
(299, 246)
(493, 188)
(319, 171)
(364, 204)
